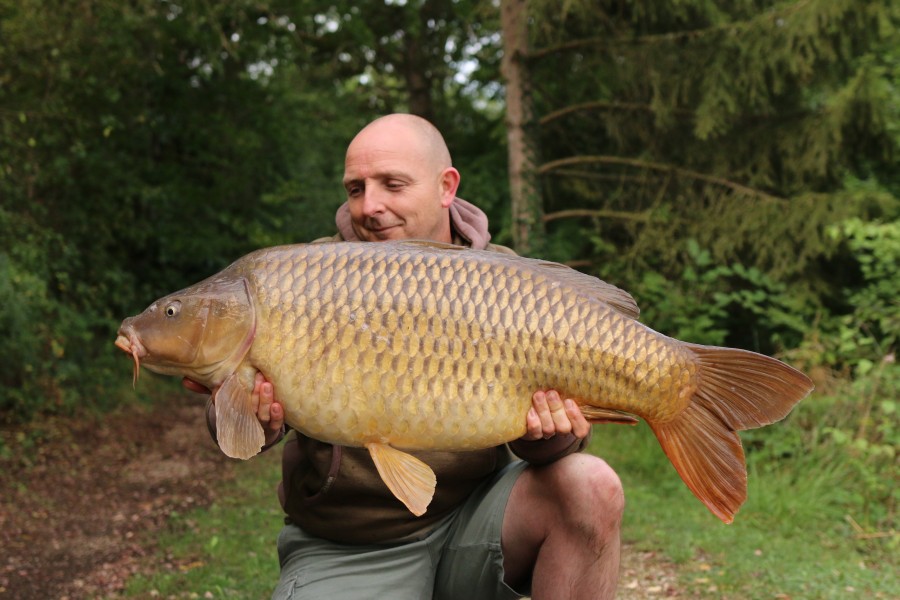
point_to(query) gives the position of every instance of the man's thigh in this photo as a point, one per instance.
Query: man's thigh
(316, 569)
(471, 565)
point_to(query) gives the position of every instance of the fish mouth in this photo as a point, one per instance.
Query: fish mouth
(128, 342)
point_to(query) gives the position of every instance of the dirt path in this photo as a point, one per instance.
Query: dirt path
(79, 502)
(79, 498)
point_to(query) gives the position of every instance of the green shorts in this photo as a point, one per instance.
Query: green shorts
(461, 558)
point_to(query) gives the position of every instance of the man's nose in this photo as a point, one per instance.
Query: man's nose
(373, 201)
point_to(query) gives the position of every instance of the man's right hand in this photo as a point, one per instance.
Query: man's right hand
(269, 411)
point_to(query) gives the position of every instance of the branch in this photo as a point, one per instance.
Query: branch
(602, 105)
(641, 164)
(674, 36)
(615, 178)
(587, 212)
(597, 105)
(621, 41)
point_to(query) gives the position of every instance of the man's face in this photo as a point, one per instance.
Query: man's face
(395, 188)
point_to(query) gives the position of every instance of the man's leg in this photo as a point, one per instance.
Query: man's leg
(561, 529)
(471, 565)
(316, 569)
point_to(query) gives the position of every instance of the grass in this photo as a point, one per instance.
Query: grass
(226, 550)
(793, 538)
(797, 537)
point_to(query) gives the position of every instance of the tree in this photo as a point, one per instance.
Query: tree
(147, 145)
(147, 149)
(741, 126)
(525, 202)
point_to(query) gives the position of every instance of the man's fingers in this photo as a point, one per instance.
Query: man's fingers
(561, 423)
(550, 415)
(276, 416)
(266, 394)
(269, 411)
(540, 404)
(533, 429)
(580, 425)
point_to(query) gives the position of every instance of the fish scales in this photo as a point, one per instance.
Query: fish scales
(420, 346)
(346, 362)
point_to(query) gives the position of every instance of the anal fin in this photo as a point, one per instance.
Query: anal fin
(408, 478)
(238, 431)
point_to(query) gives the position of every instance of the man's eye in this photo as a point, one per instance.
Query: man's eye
(394, 185)
(354, 191)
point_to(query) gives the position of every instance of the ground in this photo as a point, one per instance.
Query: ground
(81, 500)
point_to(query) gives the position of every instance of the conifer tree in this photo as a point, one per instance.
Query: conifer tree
(741, 125)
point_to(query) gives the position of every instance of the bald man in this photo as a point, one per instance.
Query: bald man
(534, 516)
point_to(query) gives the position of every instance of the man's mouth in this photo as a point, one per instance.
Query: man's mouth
(379, 228)
(384, 232)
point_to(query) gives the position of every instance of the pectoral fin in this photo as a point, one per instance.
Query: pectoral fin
(408, 478)
(595, 414)
(239, 432)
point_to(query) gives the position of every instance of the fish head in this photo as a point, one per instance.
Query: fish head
(201, 332)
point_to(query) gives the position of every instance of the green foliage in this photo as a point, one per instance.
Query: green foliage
(876, 302)
(749, 129)
(861, 333)
(849, 436)
(722, 305)
(146, 146)
(145, 151)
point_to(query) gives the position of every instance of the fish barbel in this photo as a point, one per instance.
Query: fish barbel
(412, 345)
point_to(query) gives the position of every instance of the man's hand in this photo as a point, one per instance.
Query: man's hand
(550, 416)
(269, 411)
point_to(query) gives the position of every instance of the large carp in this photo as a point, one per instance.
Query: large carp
(415, 345)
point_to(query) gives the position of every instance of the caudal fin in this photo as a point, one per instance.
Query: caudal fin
(737, 390)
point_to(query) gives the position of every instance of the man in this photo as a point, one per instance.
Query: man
(497, 527)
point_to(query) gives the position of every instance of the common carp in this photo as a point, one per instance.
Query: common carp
(415, 345)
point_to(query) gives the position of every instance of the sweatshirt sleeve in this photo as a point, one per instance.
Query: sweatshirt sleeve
(543, 452)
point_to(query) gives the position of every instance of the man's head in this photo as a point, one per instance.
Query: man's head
(399, 179)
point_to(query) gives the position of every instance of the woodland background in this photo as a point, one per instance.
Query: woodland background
(733, 164)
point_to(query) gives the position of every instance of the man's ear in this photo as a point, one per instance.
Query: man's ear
(449, 185)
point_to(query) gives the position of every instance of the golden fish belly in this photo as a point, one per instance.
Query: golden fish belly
(427, 351)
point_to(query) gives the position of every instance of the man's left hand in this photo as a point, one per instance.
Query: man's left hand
(550, 415)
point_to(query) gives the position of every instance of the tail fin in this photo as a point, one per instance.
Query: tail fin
(737, 390)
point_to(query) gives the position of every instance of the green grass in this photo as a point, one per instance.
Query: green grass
(226, 550)
(791, 539)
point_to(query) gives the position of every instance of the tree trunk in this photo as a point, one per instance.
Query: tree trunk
(418, 84)
(525, 198)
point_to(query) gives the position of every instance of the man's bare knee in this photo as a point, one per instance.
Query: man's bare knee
(606, 493)
(587, 489)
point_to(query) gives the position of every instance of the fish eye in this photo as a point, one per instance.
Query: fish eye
(173, 309)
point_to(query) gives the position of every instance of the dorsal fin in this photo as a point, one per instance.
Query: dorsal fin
(589, 285)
